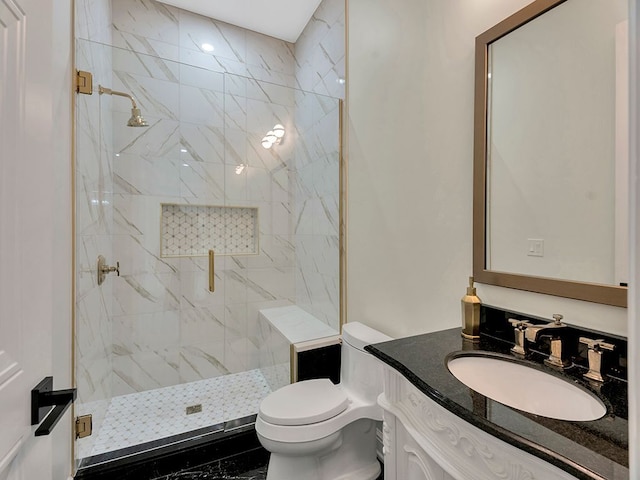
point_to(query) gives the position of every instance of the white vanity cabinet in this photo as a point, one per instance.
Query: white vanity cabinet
(425, 441)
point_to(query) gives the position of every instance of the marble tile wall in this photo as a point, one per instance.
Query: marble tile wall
(320, 68)
(316, 213)
(207, 114)
(320, 51)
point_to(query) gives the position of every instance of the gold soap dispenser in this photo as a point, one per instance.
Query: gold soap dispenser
(471, 313)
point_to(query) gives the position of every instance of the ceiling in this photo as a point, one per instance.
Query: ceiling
(283, 19)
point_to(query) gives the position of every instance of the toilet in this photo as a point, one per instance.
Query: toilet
(316, 430)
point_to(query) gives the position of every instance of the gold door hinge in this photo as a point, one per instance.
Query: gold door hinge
(84, 82)
(84, 426)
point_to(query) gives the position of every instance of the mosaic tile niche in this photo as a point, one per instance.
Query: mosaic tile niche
(192, 230)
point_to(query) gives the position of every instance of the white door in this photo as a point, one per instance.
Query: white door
(27, 230)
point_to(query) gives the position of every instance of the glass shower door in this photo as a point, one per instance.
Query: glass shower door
(151, 199)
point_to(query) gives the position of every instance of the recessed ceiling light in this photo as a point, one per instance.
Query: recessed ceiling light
(183, 150)
(207, 47)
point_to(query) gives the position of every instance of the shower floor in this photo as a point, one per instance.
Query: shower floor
(144, 417)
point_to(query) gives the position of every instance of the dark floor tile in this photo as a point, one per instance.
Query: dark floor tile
(227, 469)
(246, 466)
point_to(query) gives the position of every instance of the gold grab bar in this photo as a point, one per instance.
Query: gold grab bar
(212, 271)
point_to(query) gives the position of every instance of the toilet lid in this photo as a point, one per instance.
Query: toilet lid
(303, 403)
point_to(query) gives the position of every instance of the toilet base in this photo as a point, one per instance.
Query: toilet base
(349, 454)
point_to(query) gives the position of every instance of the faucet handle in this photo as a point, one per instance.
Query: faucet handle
(519, 324)
(556, 318)
(597, 344)
(596, 348)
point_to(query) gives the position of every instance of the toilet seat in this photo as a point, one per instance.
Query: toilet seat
(304, 403)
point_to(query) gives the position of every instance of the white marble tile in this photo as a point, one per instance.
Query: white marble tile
(142, 65)
(257, 73)
(143, 417)
(156, 98)
(205, 360)
(235, 184)
(270, 284)
(212, 62)
(147, 18)
(280, 218)
(272, 96)
(139, 215)
(235, 145)
(235, 283)
(147, 370)
(146, 293)
(236, 84)
(297, 325)
(201, 143)
(137, 175)
(196, 294)
(139, 254)
(202, 78)
(270, 53)
(94, 376)
(275, 251)
(161, 139)
(145, 332)
(320, 51)
(144, 45)
(201, 106)
(235, 112)
(235, 341)
(93, 20)
(202, 323)
(202, 181)
(228, 41)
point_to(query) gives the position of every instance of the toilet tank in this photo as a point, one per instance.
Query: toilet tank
(361, 372)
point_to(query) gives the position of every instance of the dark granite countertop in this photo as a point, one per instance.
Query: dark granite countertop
(588, 450)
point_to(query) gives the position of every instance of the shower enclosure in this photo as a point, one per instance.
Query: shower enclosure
(203, 226)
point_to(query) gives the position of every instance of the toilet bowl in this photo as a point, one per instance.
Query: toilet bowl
(316, 430)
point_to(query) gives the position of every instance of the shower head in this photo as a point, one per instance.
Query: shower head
(136, 119)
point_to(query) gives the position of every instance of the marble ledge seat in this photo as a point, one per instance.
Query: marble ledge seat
(284, 327)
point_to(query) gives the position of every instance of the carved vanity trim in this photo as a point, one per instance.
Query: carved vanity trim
(419, 431)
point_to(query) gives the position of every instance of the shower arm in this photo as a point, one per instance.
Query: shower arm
(104, 90)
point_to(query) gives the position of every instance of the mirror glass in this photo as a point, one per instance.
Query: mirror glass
(555, 140)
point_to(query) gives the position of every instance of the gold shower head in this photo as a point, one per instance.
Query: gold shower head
(136, 119)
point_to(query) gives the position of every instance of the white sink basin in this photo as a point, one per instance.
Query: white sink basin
(526, 388)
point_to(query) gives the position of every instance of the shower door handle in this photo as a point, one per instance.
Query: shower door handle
(212, 271)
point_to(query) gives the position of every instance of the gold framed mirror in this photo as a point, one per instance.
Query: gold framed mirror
(558, 236)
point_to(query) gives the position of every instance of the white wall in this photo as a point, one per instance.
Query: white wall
(410, 140)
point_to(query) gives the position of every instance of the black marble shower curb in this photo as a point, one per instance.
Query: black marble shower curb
(183, 455)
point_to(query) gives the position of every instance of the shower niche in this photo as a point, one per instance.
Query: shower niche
(193, 230)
